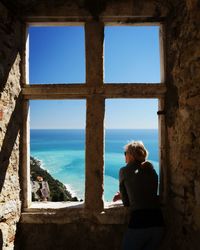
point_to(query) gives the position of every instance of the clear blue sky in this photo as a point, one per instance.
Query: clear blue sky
(57, 55)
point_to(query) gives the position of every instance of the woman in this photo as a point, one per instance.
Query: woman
(138, 184)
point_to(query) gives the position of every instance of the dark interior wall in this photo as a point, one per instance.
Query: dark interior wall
(10, 126)
(69, 236)
(182, 119)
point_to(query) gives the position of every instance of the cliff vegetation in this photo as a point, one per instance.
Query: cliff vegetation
(58, 191)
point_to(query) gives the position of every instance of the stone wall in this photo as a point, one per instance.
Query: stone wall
(182, 105)
(80, 236)
(182, 119)
(10, 122)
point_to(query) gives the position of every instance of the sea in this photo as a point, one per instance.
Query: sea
(62, 154)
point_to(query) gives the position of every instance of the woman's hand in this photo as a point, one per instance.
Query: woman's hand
(117, 197)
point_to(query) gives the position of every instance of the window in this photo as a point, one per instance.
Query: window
(57, 54)
(95, 93)
(57, 149)
(137, 121)
(132, 54)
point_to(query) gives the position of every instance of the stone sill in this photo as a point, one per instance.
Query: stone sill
(38, 206)
(43, 206)
(73, 212)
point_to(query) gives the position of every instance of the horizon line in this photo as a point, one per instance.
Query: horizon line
(85, 129)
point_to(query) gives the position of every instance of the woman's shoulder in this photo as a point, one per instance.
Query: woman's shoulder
(127, 167)
(148, 167)
(122, 169)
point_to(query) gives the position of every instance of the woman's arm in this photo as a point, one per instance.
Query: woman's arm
(122, 188)
(117, 197)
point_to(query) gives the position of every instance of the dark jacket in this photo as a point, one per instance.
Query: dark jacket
(138, 186)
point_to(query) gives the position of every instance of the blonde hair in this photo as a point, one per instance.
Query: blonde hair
(137, 150)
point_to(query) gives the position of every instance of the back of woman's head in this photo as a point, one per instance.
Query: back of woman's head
(137, 150)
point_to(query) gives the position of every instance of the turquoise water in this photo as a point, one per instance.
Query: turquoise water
(62, 153)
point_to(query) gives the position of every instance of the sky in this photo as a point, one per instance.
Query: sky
(57, 55)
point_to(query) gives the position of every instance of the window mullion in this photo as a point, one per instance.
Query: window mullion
(94, 34)
(162, 151)
(94, 153)
(25, 171)
(94, 37)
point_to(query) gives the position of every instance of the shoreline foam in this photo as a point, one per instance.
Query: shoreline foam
(71, 190)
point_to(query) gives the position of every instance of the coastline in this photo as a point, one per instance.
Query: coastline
(58, 191)
(72, 192)
(62, 153)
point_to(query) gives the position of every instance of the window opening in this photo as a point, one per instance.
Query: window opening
(127, 120)
(56, 54)
(132, 54)
(57, 149)
(132, 63)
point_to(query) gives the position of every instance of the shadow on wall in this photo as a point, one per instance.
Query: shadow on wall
(1, 240)
(81, 235)
(9, 49)
(12, 131)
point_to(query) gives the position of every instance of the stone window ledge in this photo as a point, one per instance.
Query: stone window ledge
(39, 206)
(53, 205)
(73, 212)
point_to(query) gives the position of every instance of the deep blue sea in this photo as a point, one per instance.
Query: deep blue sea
(62, 153)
